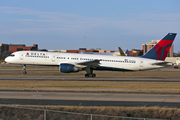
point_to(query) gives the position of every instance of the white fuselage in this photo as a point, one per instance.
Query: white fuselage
(119, 63)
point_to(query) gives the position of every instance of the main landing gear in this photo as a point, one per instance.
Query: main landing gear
(89, 72)
(24, 70)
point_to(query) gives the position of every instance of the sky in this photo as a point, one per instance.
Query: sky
(74, 24)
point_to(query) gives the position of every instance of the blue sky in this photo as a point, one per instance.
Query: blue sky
(107, 24)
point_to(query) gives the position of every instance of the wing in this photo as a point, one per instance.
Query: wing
(91, 63)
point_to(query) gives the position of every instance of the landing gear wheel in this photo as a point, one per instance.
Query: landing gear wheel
(89, 72)
(90, 75)
(86, 75)
(93, 75)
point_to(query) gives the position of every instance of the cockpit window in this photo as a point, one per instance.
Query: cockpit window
(12, 55)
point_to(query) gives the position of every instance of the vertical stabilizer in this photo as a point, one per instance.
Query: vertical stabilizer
(161, 49)
(121, 52)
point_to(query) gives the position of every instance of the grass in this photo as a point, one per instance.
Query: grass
(92, 86)
(141, 112)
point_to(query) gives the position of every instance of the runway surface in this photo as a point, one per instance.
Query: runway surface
(43, 78)
(89, 99)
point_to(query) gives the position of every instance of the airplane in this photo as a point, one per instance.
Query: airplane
(118, 53)
(75, 62)
(121, 51)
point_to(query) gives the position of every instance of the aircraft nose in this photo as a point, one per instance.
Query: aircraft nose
(6, 59)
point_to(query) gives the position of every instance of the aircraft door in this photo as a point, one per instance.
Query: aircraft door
(141, 63)
(54, 58)
(21, 57)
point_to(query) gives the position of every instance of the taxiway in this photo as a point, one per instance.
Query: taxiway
(89, 99)
(45, 78)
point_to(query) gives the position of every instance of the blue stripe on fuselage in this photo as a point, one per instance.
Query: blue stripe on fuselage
(111, 68)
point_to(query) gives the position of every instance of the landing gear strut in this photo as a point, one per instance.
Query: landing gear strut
(24, 70)
(89, 72)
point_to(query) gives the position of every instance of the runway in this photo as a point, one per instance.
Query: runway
(89, 99)
(135, 79)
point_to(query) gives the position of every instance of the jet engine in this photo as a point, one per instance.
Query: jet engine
(68, 68)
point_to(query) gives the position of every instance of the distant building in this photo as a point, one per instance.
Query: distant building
(84, 50)
(146, 47)
(135, 52)
(16, 47)
(19, 47)
(3, 47)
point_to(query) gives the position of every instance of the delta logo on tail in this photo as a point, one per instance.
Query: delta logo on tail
(161, 49)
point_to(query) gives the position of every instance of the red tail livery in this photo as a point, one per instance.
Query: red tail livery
(161, 49)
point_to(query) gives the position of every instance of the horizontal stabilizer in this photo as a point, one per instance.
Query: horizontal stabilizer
(164, 63)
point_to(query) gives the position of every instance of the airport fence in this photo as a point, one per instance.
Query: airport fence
(23, 113)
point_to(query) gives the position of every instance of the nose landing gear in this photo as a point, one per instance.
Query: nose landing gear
(24, 70)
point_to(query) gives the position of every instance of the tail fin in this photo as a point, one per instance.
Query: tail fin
(121, 52)
(161, 49)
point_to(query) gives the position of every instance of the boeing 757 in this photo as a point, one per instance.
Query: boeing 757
(74, 62)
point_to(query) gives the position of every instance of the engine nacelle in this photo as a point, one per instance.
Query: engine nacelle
(68, 68)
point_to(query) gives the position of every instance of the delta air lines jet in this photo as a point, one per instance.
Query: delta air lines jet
(75, 62)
